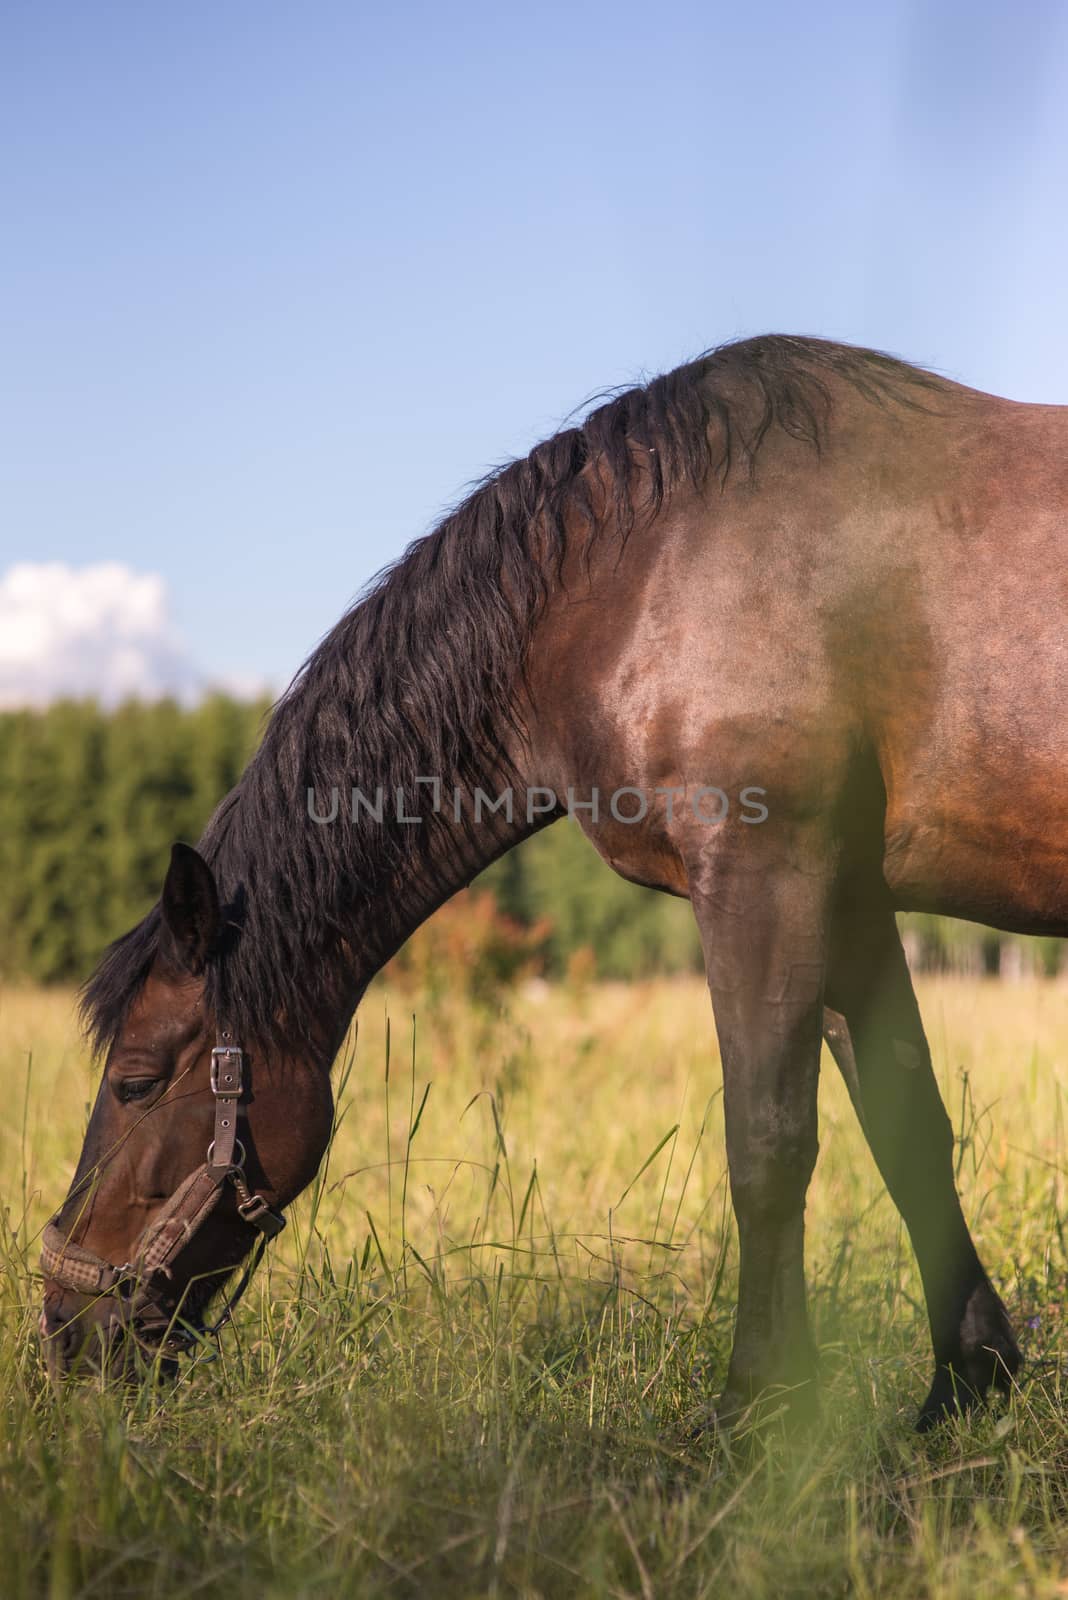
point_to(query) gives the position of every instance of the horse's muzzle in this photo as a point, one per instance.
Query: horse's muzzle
(76, 1332)
(83, 1336)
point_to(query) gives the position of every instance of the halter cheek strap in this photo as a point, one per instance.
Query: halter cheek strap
(174, 1225)
(227, 1073)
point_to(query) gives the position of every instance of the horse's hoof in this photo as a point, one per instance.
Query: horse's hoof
(794, 1405)
(950, 1396)
(717, 1418)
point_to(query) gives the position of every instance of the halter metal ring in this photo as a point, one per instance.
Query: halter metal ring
(239, 1154)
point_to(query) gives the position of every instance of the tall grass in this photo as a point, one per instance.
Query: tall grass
(480, 1357)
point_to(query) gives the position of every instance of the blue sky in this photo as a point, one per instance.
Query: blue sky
(278, 281)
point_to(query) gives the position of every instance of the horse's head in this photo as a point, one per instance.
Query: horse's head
(196, 1141)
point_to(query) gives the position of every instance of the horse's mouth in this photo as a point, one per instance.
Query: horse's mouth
(112, 1348)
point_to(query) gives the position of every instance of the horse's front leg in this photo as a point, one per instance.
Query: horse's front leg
(762, 909)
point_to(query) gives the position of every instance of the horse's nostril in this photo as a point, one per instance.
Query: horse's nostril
(61, 1336)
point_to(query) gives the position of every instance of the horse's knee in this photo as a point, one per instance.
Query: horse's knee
(769, 1179)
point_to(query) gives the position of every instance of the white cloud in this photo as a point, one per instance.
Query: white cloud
(102, 631)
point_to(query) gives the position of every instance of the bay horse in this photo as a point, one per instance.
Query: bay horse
(791, 567)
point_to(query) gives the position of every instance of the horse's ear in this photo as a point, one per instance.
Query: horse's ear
(190, 909)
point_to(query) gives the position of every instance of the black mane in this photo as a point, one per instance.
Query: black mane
(419, 678)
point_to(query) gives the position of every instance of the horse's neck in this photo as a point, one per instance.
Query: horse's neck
(467, 837)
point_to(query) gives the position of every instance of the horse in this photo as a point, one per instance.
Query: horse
(792, 568)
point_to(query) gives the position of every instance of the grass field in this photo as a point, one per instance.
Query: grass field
(477, 1361)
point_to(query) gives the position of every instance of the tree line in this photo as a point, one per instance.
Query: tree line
(91, 801)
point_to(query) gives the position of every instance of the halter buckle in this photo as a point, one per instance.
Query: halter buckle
(227, 1061)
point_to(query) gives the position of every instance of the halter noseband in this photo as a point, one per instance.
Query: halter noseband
(166, 1236)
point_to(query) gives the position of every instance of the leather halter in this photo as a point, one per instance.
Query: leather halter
(141, 1281)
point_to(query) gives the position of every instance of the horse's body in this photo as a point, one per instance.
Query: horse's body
(792, 567)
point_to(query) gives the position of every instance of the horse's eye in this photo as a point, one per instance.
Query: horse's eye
(135, 1088)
